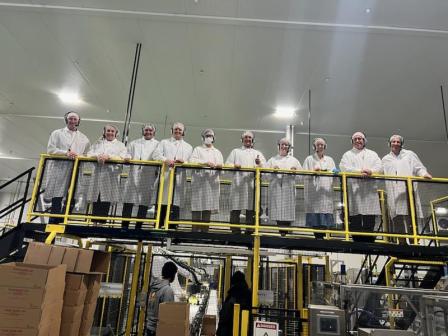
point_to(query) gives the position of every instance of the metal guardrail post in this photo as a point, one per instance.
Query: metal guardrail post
(236, 320)
(132, 296)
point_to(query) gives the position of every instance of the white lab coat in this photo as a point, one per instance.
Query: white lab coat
(105, 179)
(242, 188)
(362, 193)
(319, 189)
(205, 187)
(172, 149)
(282, 189)
(58, 172)
(142, 179)
(406, 163)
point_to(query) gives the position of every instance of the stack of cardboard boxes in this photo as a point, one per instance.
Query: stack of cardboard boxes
(80, 285)
(83, 279)
(31, 299)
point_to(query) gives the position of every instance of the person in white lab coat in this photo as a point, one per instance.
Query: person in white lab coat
(402, 162)
(364, 205)
(242, 188)
(71, 143)
(171, 151)
(282, 186)
(141, 185)
(319, 206)
(205, 187)
(104, 188)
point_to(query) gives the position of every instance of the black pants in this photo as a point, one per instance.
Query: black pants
(362, 223)
(127, 213)
(150, 333)
(100, 209)
(58, 208)
(203, 217)
(235, 219)
(283, 224)
(175, 214)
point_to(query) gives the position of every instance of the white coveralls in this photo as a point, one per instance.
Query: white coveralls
(172, 149)
(282, 189)
(319, 189)
(205, 186)
(242, 188)
(106, 177)
(363, 193)
(58, 172)
(142, 180)
(406, 163)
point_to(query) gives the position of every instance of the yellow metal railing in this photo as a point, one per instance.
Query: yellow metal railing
(341, 188)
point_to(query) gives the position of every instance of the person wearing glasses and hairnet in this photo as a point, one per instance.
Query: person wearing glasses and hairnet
(141, 184)
(242, 187)
(70, 143)
(319, 197)
(363, 199)
(205, 187)
(104, 189)
(171, 151)
(402, 162)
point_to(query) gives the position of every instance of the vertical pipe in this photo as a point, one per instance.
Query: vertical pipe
(130, 104)
(244, 323)
(170, 198)
(132, 295)
(345, 197)
(255, 272)
(236, 319)
(160, 195)
(412, 206)
(309, 122)
(290, 137)
(145, 289)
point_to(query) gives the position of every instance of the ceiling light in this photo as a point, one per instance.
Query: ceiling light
(284, 112)
(69, 97)
(368, 10)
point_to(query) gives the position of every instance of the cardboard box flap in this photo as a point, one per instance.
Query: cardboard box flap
(37, 253)
(30, 275)
(100, 262)
(84, 261)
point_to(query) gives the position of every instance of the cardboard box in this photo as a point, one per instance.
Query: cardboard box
(178, 329)
(75, 281)
(208, 325)
(77, 260)
(174, 319)
(71, 314)
(174, 312)
(70, 257)
(74, 297)
(70, 329)
(85, 328)
(49, 328)
(56, 255)
(93, 287)
(31, 276)
(29, 317)
(84, 261)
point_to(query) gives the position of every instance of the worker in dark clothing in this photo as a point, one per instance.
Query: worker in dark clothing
(239, 293)
(159, 291)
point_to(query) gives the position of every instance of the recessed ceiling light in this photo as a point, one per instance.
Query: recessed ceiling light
(68, 97)
(284, 112)
(368, 10)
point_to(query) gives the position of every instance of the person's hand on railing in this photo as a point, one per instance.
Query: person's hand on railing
(293, 168)
(335, 171)
(170, 163)
(72, 154)
(237, 166)
(427, 176)
(179, 161)
(102, 158)
(210, 164)
(365, 172)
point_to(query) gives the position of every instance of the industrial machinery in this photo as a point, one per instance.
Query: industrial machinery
(326, 320)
